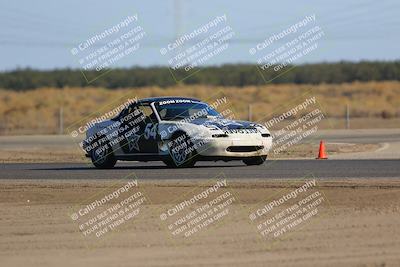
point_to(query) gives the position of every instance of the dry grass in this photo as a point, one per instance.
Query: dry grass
(37, 111)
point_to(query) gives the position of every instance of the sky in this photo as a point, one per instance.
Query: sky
(40, 34)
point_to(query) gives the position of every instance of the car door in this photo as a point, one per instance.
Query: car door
(138, 130)
(150, 137)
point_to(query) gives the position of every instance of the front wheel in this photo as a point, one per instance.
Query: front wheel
(102, 157)
(258, 160)
(181, 152)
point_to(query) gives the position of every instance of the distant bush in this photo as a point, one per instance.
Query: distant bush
(226, 75)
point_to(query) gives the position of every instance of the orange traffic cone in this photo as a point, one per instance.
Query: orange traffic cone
(322, 154)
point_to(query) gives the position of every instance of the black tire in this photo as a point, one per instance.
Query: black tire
(103, 157)
(169, 162)
(181, 152)
(258, 160)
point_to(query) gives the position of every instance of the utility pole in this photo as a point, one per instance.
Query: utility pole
(347, 117)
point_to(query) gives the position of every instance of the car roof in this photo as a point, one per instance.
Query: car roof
(164, 98)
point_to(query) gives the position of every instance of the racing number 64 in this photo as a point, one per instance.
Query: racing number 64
(150, 132)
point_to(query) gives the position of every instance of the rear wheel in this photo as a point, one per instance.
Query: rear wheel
(103, 157)
(258, 160)
(181, 152)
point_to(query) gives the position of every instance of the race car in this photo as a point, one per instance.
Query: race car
(178, 131)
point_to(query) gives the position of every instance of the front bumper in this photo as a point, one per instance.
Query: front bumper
(240, 146)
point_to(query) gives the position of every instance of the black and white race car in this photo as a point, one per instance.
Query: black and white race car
(178, 131)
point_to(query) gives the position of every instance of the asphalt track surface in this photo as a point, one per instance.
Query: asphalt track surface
(274, 169)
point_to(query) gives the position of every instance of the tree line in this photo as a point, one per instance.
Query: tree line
(224, 75)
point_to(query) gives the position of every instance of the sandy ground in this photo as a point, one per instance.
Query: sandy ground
(358, 224)
(385, 151)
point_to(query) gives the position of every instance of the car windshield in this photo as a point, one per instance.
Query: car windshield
(179, 111)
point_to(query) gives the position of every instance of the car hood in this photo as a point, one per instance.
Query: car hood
(224, 123)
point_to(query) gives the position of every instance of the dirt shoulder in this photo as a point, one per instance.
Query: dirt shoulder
(357, 225)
